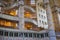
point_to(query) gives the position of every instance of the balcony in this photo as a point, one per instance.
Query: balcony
(30, 15)
(8, 17)
(31, 20)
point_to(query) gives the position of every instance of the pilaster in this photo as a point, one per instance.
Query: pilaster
(21, 16)
(51, 29)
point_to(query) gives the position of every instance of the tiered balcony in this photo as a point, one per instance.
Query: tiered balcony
(29, 14)
(8, 17)
(14, 5)
(29, 20)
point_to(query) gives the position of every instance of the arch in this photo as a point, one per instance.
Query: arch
(18, 4)
(29, 8)
(1, 4)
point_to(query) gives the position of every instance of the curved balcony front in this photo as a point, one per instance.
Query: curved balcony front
(30, 8)
(2, 4)
(30, 20)
(16, 4)
(8, 17)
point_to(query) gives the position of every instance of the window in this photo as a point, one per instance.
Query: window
(40, 21)
(13, 13)
(25, 34)
(27, 14)
(5, 33)
(10, 12)
(38, 35)
(2, 22)
(34, 34)
(32, 1)
(20, 34)
(41, 10)
(44, 17)
(42, 35)
(7, 23)
(0, 9)
(46, 34)
(41, 16)
(1, 33)
(28, 26)
(11, 34)
(30, 34)
(38, 4)
(14, 24)
(15, 34)
(45, 23)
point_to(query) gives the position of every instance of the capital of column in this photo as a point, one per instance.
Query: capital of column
(46, 1)
(20, 3)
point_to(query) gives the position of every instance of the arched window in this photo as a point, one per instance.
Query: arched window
(32, 1)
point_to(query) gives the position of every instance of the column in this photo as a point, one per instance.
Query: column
(21, 16)
(39, 36)
(57, 14)
(8, 35)
(13, 36)
(44, 36)
(1, 7)
(56, 9)
(3, 35)
(51, 30)
(23, 36)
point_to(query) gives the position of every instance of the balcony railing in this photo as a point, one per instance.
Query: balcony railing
(8, 17)
(31, 20)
